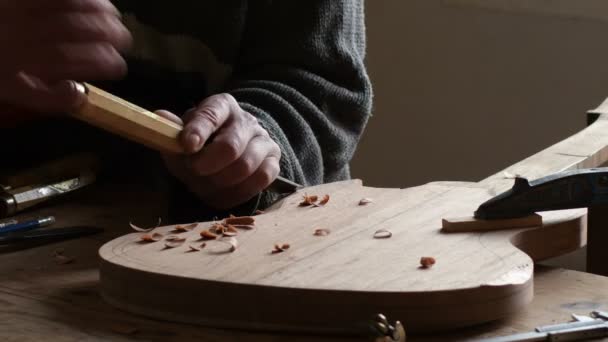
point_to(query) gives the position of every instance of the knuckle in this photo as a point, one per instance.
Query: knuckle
(231, 149)
(268, 173)
(246, 167)
(208, 114)
(225, 99)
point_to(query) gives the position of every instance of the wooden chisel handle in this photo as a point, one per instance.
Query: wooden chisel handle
(127, 120)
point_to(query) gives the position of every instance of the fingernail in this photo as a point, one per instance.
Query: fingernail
(193, 141)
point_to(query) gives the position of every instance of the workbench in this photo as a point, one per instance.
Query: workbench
(41, 299)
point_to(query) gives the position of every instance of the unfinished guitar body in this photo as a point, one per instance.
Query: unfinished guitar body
(337, 282)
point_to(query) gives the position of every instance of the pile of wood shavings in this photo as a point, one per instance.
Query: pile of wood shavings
(227, 230)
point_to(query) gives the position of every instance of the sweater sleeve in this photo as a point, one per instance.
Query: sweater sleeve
(300, 71)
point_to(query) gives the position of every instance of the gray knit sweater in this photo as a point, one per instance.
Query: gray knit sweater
(297, 65)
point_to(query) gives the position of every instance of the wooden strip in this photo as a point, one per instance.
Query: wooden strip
(471, 224)
(120, 117)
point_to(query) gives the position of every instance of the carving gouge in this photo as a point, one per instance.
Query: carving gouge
(129, 121)
(564, 190)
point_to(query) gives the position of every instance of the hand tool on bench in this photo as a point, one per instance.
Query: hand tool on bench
(27, 188)
(582, 328)
(517, 207)
(129, 121)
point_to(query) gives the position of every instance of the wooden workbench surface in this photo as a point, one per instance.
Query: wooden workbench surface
(40, 298)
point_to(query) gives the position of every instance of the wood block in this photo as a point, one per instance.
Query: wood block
(471, 224)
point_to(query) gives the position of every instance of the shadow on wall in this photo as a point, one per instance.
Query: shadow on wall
(462, 92)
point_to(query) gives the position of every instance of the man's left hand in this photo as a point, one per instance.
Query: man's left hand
(229, 156)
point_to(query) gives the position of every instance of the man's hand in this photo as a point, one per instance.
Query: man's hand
(46, 42)
(230, 157)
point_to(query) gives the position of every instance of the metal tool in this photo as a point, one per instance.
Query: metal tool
(26, 188)
(582, 328)
(16, 200)
(563, 190)
(386, 332)
(14, 242)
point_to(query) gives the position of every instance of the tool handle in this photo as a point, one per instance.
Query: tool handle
(127, 120)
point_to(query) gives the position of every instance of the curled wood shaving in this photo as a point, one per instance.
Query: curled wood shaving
(60, 258)
(365, 201)
(321, 232)
(324, 200)
(308, 200)
(217, 228)
(382, 234)
(194, 248)
(427, 262)
(185, 228)
(145, 230)
(240, 220)
(174, 241)
(232, 241)
(207, 235)
(224, 229)
(280, 248)
(258, 212)
(151, 237)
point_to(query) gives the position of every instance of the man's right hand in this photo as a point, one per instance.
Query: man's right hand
(45, 43)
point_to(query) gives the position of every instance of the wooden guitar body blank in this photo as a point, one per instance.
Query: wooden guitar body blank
(338, 282)
(334, 283)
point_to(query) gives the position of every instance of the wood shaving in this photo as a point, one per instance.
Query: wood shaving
(243, 226)
(258, 212)
(224, 229)
(308, 200)
(62, 259)
(145, 230)
(185, 228)
(382, 234)
(151, 237)
(365, 201)
(324, 200)
(207, 235)
(174, 241)
(427, 262)
(194, 248)
(232, 241)
(321, 232)
(241, 220)
(280, 248)
(217, 228)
